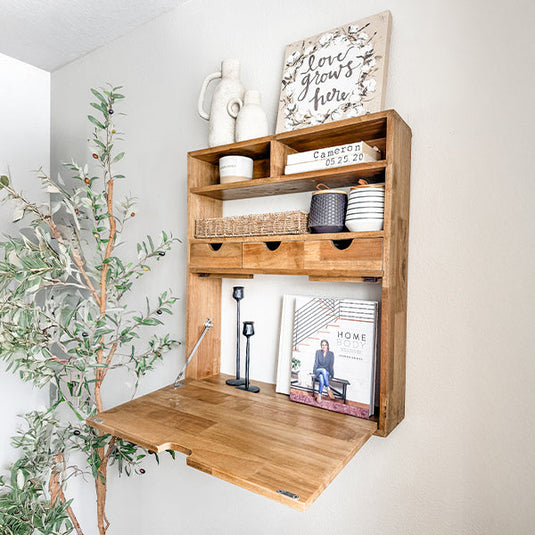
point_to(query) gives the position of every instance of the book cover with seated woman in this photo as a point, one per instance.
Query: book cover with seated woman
(335, 341)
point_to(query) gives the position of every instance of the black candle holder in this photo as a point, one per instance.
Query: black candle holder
(248, 331)
(238, 294)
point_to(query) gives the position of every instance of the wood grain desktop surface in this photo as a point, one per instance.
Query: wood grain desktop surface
(262, 442)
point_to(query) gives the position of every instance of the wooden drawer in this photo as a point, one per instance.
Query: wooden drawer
(216, 255)
(344, 256)
(285, 257)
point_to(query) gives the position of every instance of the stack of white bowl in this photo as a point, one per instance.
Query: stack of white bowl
(365, 208)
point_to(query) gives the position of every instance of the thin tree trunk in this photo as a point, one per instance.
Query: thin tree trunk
(101, 488)
(100, 480)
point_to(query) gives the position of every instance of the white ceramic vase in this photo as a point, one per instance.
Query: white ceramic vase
(221, 125)
(251, 121)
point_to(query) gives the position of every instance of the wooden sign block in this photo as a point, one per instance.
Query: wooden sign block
(335, 75)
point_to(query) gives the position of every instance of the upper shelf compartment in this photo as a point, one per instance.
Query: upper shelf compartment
(269, 155)
(369, 128)
(258, 149)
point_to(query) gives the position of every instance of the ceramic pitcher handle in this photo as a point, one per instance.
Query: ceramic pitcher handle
(200, 103)
(230, 106)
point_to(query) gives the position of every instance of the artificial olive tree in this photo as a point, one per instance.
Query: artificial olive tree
(64, 325)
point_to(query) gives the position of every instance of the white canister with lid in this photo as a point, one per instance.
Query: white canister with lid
(235, 168)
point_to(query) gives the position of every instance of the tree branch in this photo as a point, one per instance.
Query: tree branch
(109, 248)
(104, 371)
(71, 514)
(47, 218)
(56, 490)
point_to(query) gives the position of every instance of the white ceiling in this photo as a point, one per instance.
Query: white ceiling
(51, 33)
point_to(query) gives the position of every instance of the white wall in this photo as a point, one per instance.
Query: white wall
(462, 75)
(24, 148)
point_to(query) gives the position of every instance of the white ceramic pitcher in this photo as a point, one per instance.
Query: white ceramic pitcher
(221, 124)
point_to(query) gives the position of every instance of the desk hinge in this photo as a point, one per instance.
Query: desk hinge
(288, 494)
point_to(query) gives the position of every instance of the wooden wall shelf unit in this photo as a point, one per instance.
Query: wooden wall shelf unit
(263, 442)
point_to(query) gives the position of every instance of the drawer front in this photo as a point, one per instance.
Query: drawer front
(211, 255)
(284, 256)
(361, 254)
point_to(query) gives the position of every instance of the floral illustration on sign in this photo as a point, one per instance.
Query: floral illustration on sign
(336, 75)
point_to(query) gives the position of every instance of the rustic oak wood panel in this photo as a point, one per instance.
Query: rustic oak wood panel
(203, 295)
(226, 255)
(336, 236)
(286, 255)
(348, 278)
(261, 168)
(369, 128)
(361, 254)
(279, 153)
(337, 177)
(380, 143)
(254, 148)
(261, 442)
(365, 128)
(227, 275)
(313, 274)
(394, 289)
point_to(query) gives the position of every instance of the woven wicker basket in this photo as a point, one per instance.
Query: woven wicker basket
(294, 222)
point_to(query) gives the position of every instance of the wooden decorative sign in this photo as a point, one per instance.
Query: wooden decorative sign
(335, 75)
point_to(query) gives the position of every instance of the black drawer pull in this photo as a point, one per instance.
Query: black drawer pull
(341, 244)
(272, 245)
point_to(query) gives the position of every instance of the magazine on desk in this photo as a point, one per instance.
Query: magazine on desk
(335, 342)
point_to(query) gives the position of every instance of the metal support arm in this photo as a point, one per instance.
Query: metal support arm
(207, 326)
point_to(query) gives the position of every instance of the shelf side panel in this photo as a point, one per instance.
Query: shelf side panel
(203, 295)
(203, 302)
(279, 153)
(394, 298)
